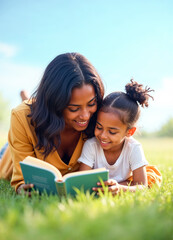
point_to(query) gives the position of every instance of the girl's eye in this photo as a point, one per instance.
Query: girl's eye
(98, 127)
(112, 133)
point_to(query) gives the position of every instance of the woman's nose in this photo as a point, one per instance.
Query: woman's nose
(85, 114)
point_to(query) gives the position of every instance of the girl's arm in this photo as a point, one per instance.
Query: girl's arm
(139, 177)
(87, 158)
(139, 182)
(83, 167)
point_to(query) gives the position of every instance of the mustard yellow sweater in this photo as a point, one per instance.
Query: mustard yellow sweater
(22, 139)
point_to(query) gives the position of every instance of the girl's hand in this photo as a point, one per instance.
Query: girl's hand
(25, 188)
(112, 184)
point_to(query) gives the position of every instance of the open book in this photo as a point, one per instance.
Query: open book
(45, 176)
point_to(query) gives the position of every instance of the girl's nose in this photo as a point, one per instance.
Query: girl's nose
(103, 135)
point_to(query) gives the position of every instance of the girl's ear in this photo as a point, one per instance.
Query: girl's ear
(131, 131)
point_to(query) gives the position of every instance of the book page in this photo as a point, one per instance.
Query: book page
(44, 165)
(79, 173)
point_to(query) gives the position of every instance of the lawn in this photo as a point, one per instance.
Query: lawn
(142, 215)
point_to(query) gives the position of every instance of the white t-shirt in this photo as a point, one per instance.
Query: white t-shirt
(131, 158)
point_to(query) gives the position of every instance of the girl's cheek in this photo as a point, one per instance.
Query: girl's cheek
(95, 132)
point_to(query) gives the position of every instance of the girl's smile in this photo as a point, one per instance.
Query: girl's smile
(110, 131)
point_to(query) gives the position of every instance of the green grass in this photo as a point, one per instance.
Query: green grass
(142, 215)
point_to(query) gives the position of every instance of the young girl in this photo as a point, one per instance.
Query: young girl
(113, 146)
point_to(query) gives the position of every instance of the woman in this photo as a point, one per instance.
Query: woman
(53, 124)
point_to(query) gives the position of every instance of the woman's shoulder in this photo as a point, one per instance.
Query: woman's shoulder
(21, 112)
(24, 107)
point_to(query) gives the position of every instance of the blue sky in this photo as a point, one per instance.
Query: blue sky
(122, 38)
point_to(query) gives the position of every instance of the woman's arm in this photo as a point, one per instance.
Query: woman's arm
(20, 146)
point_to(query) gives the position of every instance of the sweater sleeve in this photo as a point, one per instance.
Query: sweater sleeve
(20, 146)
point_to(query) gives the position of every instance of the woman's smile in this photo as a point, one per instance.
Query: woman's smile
(82, 123)
(82, 105)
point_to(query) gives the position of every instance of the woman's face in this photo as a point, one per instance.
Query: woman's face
(82, 105)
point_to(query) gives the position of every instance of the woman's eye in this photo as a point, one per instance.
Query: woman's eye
(73, 110)
(99, 128)
(92, 104)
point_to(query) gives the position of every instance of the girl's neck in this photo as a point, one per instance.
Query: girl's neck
(112, 155)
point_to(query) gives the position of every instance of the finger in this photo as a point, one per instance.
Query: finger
(106, 183)
(28, 194)
(27, 186)
(113, 188)
(96, 189)
(24, 187)
(109, 182)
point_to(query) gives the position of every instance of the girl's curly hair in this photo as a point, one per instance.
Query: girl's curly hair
(127, 105)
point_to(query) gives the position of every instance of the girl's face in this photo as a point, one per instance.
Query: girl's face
(82, 105)
(110, 131)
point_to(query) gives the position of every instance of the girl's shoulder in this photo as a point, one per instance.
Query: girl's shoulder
(132, 142)
(92, 142)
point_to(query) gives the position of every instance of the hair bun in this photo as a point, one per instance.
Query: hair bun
(137, 93)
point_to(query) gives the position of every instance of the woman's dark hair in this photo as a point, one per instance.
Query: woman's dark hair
(63, 74)
(127, 105)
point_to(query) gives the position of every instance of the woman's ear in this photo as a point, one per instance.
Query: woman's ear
(131, 131)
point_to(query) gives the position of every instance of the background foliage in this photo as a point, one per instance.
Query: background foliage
(4, 117)
(166, 129)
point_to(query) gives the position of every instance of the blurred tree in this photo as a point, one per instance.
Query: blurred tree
(4, 110)
(167, 129)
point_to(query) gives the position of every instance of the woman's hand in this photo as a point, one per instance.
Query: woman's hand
(112, 184)
(25, 188)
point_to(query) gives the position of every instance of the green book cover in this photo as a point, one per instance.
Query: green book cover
(46, 177)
